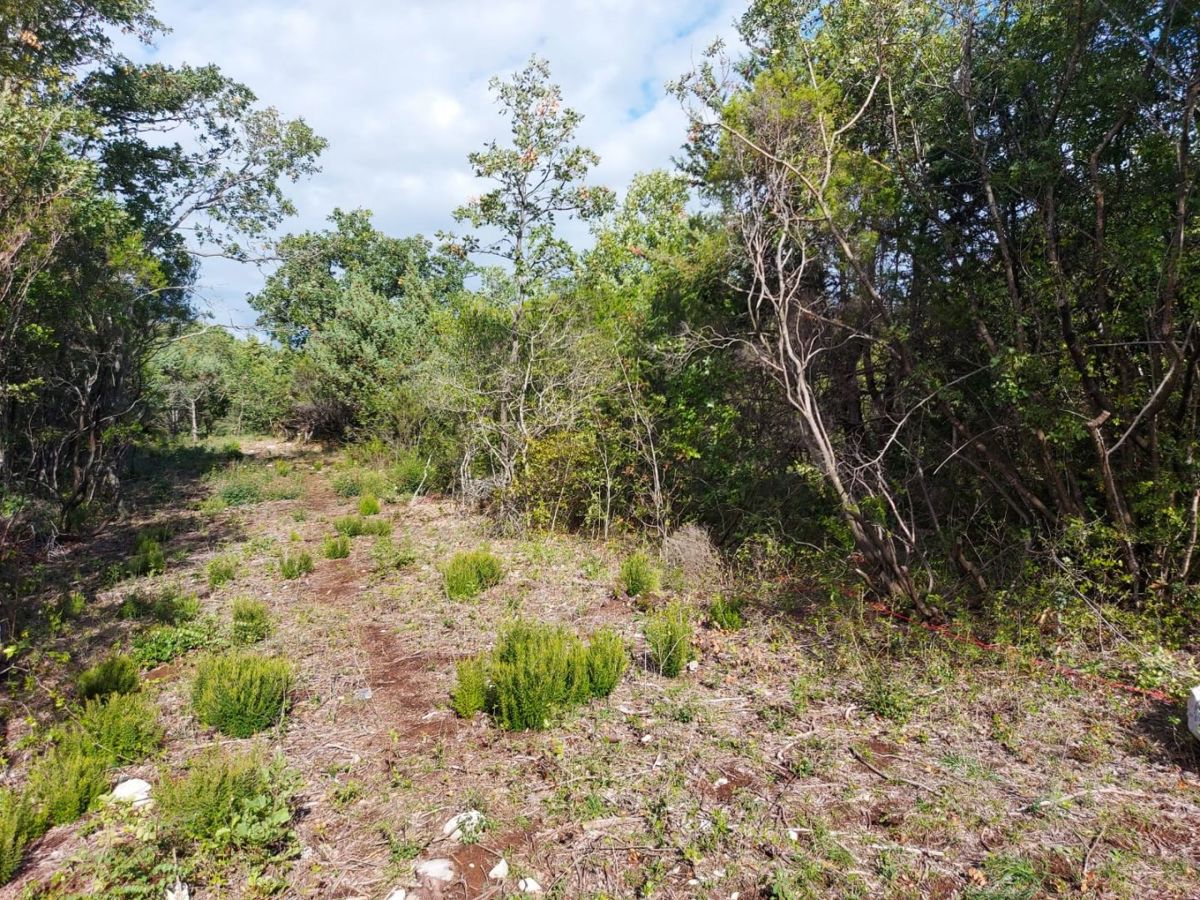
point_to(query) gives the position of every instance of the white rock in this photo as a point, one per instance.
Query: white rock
(529, 886)
(1194, 711)
(179, 892)
(398, 894)
(465, 824)
(720, 782)
(793, 834)
(435, 870)
(134, 791)
(499, 871)
(646, 738)
(693, 665)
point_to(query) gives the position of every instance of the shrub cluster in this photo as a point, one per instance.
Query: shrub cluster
(535, 670)
(368, 505)
(168, 605)
(294, 564)
(148, 556)
(356, 526)
(336, 547)
(166, 642)
(222, 569)
(251, 620)
(241, 693)
(669, 634)
(118, 674)
(638, 575)
(469, 574)
(725, 614)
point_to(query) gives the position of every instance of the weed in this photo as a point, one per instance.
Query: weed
(71, 605)
(148, 557)
(251, 620)
(169, 606)
(725, 614)
(368, 505)
(163, 644)
(336, 547)
(118, 674)
(124, 728)
(470, 694)
(295, 564)
(469, 574)
(638, 575)
(669, 634)
(887, 698)
(241, 693)
(222, 569)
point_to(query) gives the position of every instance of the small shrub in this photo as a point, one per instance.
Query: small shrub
(368, 505)
(116, 675)
(221, 570)
(638, 575)
(227, 801)
(725, 615)
(68, 779)
(169, 606)
(293, 565)
(240, 693)
(124, 728)
(17, 828)
(356, 526)
(148, 557)
(536, 669)
(887, 698)
(166, 642)
(469, 574)
(409, 471)
(71, 605)
(348, 483)
(669, 634)
(336, 547)
(469, 695)
(242, 486)
(251, 620)
(387, 556)
(606, 660)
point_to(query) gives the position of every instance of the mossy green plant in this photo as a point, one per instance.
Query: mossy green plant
(251, 620)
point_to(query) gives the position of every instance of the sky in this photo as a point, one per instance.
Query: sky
(399, 88)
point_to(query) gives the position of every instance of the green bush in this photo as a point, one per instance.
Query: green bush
(222, 569)
(469, 574)
(336, 547)
(638, 575)
(356, 526)
(169, 605)
(293, 565)
(118, 674)
(887, 697)
(71, 605)
(348, 483)
(165, 643)
(148, 556)
(241, 693)
(227, 801)
(387, 556)
(17, 828)
(240, 486)
(408, 472)
(67, 779)
(123, 728)
(606, 659)
(251, 620)
(669, 634)
(724, 614)
(368, 505)
(469, 695)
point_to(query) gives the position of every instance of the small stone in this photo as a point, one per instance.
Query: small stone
(529, 886)
(398, 894)
(465, 824)
(1194, 711)
(793, 834)
(646, 738)
(435, 870)
(720, 783)
(499, 871)
(134, 791)
(363, 694)
(693, 665)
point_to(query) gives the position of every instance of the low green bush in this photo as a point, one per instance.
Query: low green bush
(67, 780)
(240, 486)
(409, 471)
(71, 605)
(725, 614)
(227, 801)
(638, 575)
(148, 556)
(887, 697)
(470, 693)
(123, 728)
(241, 693)
(388, 556)
(168, 605)
(17, 829)
(251, 620)
(356, 526)
(669, 634)
(336, 547)
(118, 674)
(222, 570)
(607, 660)
(368, 505)
(469, 574)
(166, 642)
(295, 564)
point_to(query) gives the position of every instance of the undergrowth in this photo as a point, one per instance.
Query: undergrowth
(241, 693)
(469, 574)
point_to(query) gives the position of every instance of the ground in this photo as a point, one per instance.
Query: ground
(821, 750)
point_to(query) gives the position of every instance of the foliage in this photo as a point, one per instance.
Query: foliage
(241, 693)
(607, 659)
(368, 505)
(169, 605)
(725, 613)
(164, 643)
(389, 556)
(148, 557)
(122, 728)
(638, 575)
(470, 573)
(293, 564)
(222, 569)
(251, 620)
(336, 547)
(67, 780)
(470, 692)
(117, 674)
(355, 526)
(669, 635)
(17, 828)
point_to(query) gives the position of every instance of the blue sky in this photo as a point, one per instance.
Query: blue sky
(399, 89)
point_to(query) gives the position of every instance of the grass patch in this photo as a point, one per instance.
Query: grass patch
(251, 620)
(368, 505)
(118, 674)
(469, 574)
(638, 575)
(389, 556)
(357, 526)
(725, 614)
(17, 829)
(166, 642)
(241, 693)
(148, 555)
(222, 570)
(669, 634)
(293, 564)
(168, 605)
(336, 547)
(65, 782)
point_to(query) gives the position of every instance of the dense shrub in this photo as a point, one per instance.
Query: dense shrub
(408, 472)
(65, 781)
(163, 644)
(336, 547)
(233, 801)
(638, 575)
(118, 674)
(356, 526)
(241, 693)
(251, 620)
(725, 614)
(123, 728)
(295, 564)
(222, 569)
(669, 634)
(535, 670)
(368, 505)
(469, 574)
(389, 556)
(17, 828)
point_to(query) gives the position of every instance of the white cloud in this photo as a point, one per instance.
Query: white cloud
(400, 91)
